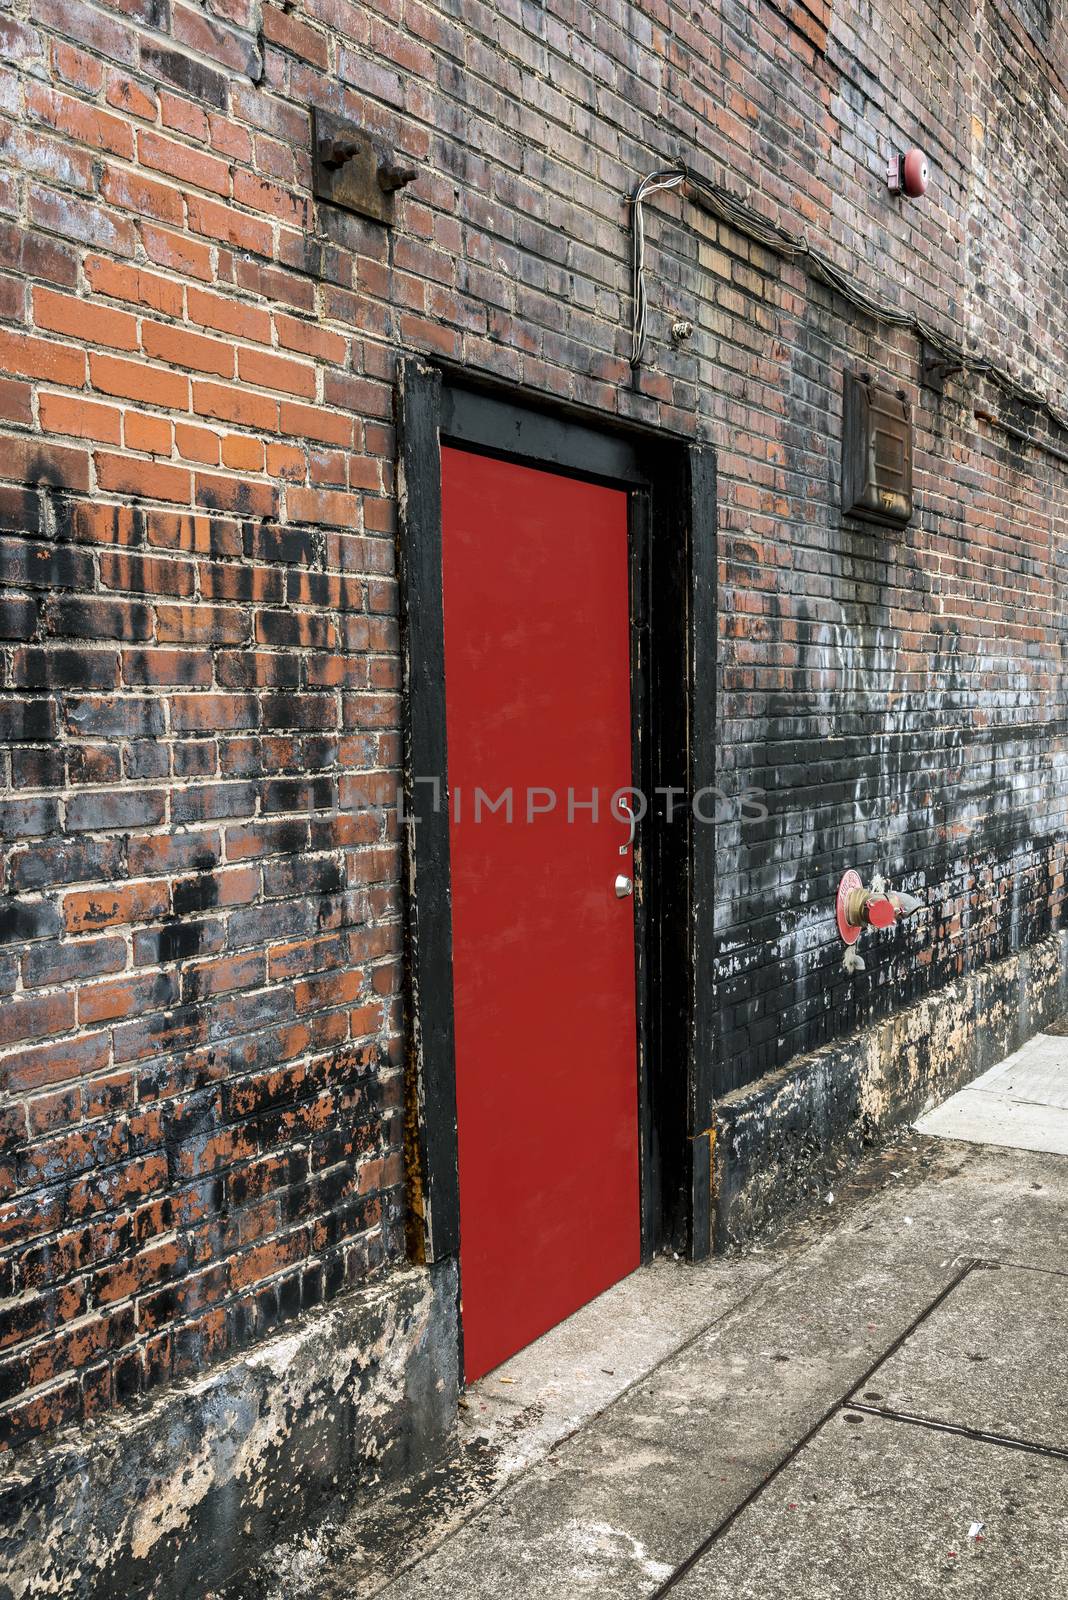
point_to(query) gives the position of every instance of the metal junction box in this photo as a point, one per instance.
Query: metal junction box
(876, 452)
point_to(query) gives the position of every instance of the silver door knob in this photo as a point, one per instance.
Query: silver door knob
(624, 886)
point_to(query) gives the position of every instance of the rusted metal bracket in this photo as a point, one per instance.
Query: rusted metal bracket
(935, 368)
(353, 170)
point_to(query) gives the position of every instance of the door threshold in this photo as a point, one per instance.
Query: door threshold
(517, 1413)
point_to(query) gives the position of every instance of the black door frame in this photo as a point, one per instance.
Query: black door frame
(672, 488)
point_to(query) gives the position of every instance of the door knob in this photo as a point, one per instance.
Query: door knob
(624, 886)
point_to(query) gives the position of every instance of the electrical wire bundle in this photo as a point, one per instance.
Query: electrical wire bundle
(737, 214)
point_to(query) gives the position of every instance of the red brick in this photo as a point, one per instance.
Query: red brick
(122, 282)
(203, 713)
(228, 137)
(35, 1017)
(182, 162)
(109, 1190)
(225, 974)
(160, 667)
(236, 494)
(27, 459)
(332, 427)
(81, 71)
(268, 1259)
(223, 642)
(183, 348)
(201, 624)
(290, 33)
(132, 191)
(106, 524)
(310, 339)
(230, 886)
(262, 196)
(146, 574)
(229, 316)
(16, 402)
(154, 480)
(84, 319)
(133, 380)
(225, 581)
(328, 989)
(365, 1021)
(176, 530)
(125, 997)
(196, 444)
(323, 505)
(22, 355)
(235, 405)
(177, 252)
(243, 453)
(184, 116)
(152, 854)
(129, 97)
(336, 672)
(286, 461)
(40, 1412)
(275, 372)
(87, 909)
(284, 287)
(12, 299)
(83, 123)
(150, 1266)
(147, 433)
(229, 226)
(85, 418)
(214, 1153)
(424, 335)
(193, 27)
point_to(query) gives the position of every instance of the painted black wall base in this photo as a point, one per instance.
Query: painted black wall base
(177, 1499)
(778, 1142)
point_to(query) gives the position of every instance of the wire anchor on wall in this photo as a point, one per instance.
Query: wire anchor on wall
(942, 355)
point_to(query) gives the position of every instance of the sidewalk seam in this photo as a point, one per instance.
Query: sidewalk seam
(962, 1430)
(842, 1404)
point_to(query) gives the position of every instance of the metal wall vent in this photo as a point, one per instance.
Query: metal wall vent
(876, 451)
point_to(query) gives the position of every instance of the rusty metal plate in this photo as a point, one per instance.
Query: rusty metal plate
(353, 170)
(876, 452)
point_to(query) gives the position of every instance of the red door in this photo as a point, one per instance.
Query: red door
(537, 674)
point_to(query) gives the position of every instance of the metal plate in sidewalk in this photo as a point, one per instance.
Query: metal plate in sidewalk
(874, 1507)
(991, 1357)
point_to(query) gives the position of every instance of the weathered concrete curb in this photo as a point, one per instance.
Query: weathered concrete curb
(780, 1138)
(167, 1502)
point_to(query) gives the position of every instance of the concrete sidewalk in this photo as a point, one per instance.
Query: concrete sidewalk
(1022, 1102)
(878, 1402)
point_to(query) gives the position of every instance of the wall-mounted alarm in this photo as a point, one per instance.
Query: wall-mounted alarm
(908, 174)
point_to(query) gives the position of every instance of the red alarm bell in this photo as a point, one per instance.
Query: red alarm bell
(908, 174)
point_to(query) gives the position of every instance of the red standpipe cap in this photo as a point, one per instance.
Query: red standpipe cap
(881, 913)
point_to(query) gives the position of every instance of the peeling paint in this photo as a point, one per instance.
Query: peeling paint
(784, 1139)
(180, 1497)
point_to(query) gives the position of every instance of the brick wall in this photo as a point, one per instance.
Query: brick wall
(200, 1036)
